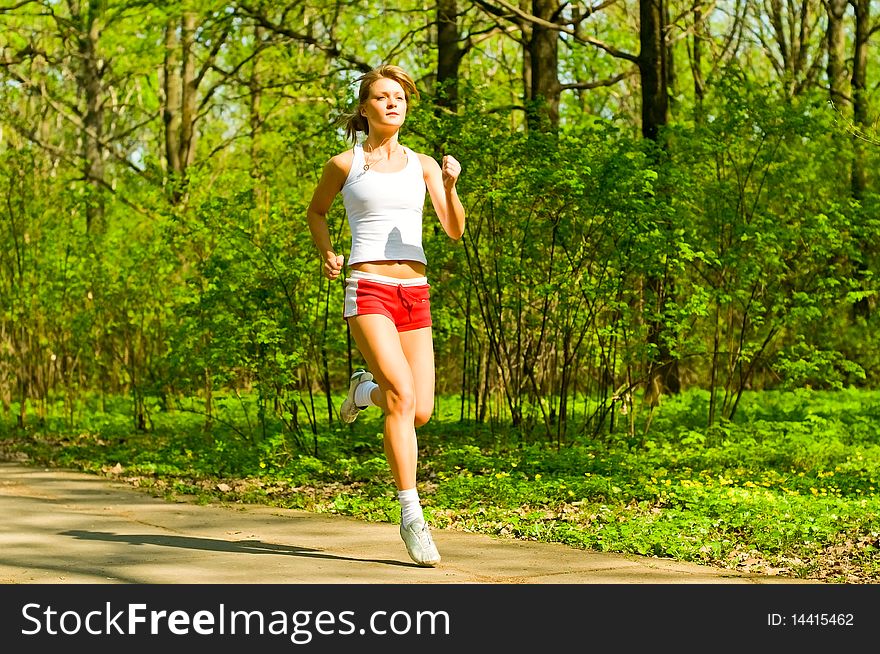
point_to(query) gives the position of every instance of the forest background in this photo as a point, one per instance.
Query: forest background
(666, 290)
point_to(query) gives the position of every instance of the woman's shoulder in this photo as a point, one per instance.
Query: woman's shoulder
(428, 162)
(339, 165)
(342, 161)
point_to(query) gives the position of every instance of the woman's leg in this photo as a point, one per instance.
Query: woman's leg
(380, 344)
(403, 367)
(418, 348)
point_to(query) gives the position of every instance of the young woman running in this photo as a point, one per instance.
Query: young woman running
(383, 185)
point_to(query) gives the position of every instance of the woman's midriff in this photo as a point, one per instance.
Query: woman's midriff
(397, 269)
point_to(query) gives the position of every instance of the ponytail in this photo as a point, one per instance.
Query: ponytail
(353, 123)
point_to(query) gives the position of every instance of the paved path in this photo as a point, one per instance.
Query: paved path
(62, 527)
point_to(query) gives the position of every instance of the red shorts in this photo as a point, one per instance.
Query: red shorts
(406, 302)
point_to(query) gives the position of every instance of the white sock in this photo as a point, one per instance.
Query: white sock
(410, 508)
(362, 394)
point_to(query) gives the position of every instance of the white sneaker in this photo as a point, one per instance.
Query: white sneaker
(349, 409)
(419, 544)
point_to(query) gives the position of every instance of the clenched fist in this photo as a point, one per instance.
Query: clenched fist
(451, 170)
(333, 265)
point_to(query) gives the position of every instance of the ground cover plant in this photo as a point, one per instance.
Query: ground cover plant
(788, 488)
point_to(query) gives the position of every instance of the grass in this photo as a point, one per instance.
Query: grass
(789, 488)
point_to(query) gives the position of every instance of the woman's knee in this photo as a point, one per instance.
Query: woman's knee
(400, 400)
(424, 410)
(423, 415)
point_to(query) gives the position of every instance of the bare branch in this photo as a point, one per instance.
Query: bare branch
(23, 3)
(611, 81)
(63, 155)
(535, 20)
(331, 50)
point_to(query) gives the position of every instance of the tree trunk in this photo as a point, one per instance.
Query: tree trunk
(859, 94)
(89, 73)
(697, 64)
(258, 175)
(669, 64)
(858, 178)
(663, 370)
(448, 54)
(180, 85)
(189, 88)
(171, 110)
(652, 66)
(836, 43)
(544, 58)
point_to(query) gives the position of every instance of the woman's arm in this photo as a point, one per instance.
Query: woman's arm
(444, 197)
(332, 179)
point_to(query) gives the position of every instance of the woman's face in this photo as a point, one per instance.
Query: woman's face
(386, 104)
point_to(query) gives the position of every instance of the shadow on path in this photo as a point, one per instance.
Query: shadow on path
(214, 545)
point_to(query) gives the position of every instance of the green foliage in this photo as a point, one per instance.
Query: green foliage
(763, 245)
(789, 487)
(176, 320)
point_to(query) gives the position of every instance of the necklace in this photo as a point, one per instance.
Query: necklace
(367, 164)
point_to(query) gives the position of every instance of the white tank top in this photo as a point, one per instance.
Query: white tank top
(385, 211)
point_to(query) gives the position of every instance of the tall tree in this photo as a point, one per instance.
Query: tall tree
(791, 40)
(697, 61)
(836, 46)
(449, 53)
(858, 173)
(543, 58)
(859, 92)
(181, 81)
(88, 18)
(539, 31)
(653, 66)
(663, 375)
(64, 42)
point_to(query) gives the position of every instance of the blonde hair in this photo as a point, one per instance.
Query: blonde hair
(355, 122)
